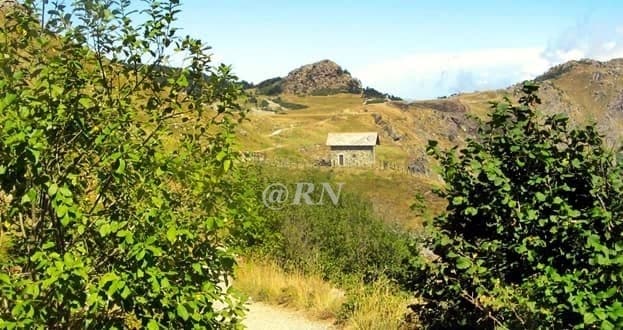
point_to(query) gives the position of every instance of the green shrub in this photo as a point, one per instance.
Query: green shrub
(270, 86)
(264, 105)
(531, 235)
(341, 242)
(110, 226)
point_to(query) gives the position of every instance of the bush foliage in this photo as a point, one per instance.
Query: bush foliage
(118, 192)
(340, 242)
(532, 233)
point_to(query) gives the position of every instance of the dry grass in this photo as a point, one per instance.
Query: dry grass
(380, 306)
(265, 281)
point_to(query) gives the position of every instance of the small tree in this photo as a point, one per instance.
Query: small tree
(117, 176)
(531, 237)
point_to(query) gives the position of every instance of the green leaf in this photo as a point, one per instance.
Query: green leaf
(607, 325)
(86, 102)
(171, 234)
(576, 163)
(121, 167)
(29, 197)
(600, 314)
(157, 201)
(8, 100)
(182, 312)
(589, 318)
(458, 200)
(152, 325)
(226, 164)
(64, 190)
(108, 277)
(471, 211)
(182, 81)
(125, 292)
(48, 245)
(463, 263)
(4, 278)
(61, 210)
(221, 155)
(540, 196)
(52, 189)
(104, 230)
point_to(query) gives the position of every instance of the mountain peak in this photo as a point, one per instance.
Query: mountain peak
(322, 77)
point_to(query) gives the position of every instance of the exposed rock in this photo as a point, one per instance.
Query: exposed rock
(320, 78)
(418, 165)
(400, 105)
(617, 104)
(377, 118)
(387, 128)
(8, 3)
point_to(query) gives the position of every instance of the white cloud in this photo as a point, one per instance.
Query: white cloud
(586, 39)
(434, 74)
(427, 75)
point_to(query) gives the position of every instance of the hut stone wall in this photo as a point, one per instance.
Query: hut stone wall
(352, 156)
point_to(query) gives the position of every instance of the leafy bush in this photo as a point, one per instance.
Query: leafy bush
(270, 86)
(531, 235)
(264, 105)
(341, 242)
(115, 219)
(372, 93)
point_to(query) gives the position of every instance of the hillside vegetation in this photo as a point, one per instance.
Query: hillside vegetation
(131, 193)
(588, 91)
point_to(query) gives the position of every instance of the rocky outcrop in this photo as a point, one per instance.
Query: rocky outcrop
(387, 127)
(560, 69)
(617, 104)
(320, 78)
(8, 3)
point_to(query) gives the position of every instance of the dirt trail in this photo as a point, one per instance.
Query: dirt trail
(266, 317)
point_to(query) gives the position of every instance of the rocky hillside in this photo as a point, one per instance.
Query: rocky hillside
(320, 78)
(588, 91)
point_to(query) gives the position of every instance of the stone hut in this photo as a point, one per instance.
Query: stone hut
(352, 149)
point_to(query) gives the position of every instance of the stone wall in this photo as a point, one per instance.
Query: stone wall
(354, 156)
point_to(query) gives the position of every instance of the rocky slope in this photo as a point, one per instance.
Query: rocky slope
(588, 91)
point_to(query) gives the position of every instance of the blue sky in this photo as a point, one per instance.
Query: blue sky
(414, 49)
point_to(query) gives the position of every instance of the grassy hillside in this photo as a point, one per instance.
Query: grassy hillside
(299, 136)
(586, 90)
